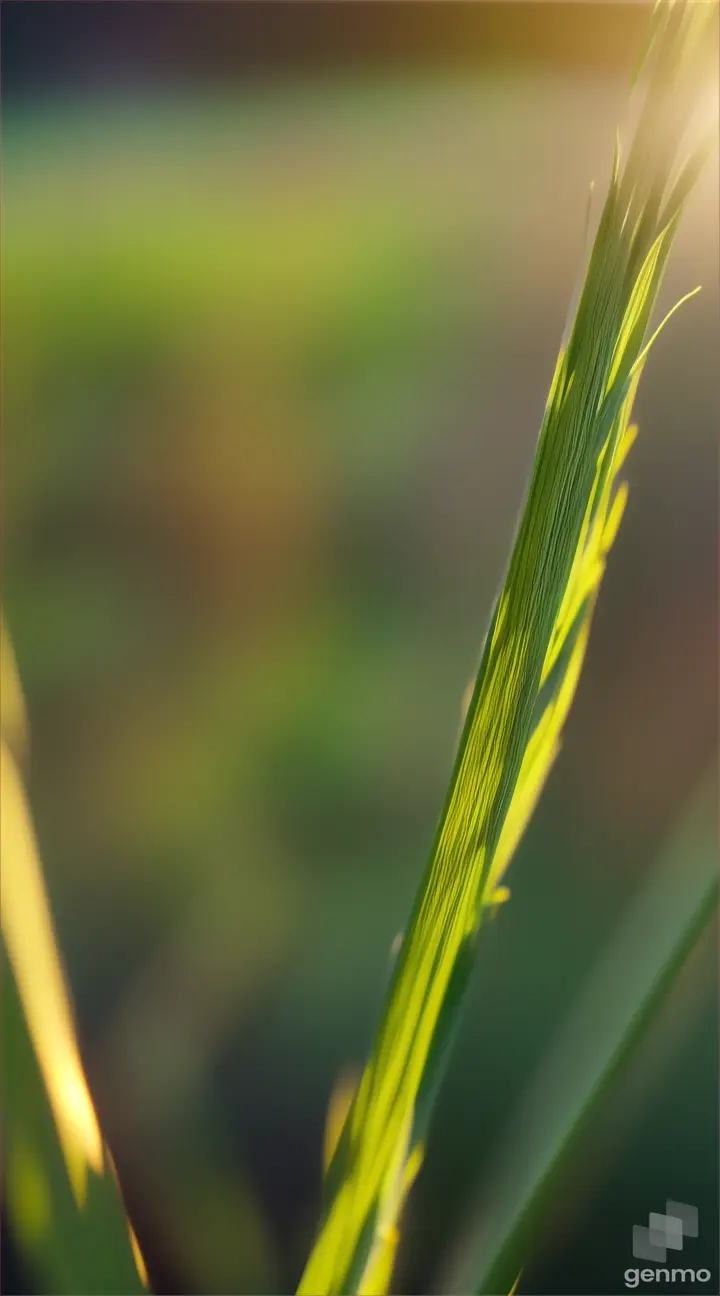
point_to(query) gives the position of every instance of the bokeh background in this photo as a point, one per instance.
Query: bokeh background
(282, 292)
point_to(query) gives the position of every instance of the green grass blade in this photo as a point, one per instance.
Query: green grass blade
(61, 1193)
(586, 423)
(65, 1249)
(642, 961)
(13, 715)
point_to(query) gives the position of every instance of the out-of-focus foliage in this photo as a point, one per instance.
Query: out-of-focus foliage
(643, 960)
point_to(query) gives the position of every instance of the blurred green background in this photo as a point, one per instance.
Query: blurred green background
(278, 322)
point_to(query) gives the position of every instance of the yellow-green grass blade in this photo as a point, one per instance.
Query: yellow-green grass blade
(65, 1248)
(643, 959)
(13, 715)
(60, 1189)
(543, 610)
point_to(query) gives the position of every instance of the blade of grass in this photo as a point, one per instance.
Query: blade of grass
(643, 959)
(66, 1249)
(64, 1204)
(528, 672)
(13, 715)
